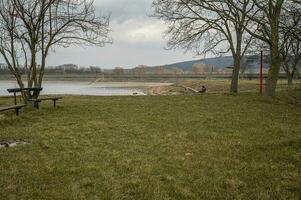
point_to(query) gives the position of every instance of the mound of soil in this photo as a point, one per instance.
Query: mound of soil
(11, 143)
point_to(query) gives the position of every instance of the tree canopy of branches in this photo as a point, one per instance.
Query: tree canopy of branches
(291, 58)
(267, 25)
(208, 26)
(290, 39)
(30, 29)
(235, 24)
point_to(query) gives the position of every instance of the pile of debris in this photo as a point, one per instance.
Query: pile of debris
(8, 144)
(185, 88)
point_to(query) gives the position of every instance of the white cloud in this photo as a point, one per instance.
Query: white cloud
(139, 32)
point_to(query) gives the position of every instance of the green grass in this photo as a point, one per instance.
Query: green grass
(211, 146)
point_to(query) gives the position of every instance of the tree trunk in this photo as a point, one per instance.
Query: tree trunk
(235, 75)
(21, 85)
(273, 73)
(32, 80)
(275, 61)
(290, 79)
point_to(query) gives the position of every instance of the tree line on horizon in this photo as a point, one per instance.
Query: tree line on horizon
(198, 67)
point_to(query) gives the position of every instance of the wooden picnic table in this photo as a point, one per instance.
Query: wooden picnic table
(36, 101)
(16, 90)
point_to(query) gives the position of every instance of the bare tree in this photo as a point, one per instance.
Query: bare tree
(95, 69)
(118, 71)
(208, 26)
(291, 58)
(177, 70)
(199, 68)
(265, 25)
(140, 69)
(159, 70)
(30, 29)
(290, 39)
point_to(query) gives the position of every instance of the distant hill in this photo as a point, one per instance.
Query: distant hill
(250, 61)
(220, 62)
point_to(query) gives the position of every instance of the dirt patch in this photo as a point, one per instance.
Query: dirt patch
(182, 88)
(12, 143)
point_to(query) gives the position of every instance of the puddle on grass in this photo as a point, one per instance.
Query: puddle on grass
(12, 143)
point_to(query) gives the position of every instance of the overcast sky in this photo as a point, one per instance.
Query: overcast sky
(138, 39)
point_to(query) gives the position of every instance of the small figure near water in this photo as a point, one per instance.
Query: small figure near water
(203, 90)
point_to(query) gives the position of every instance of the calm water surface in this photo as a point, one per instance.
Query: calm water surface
(78, 88)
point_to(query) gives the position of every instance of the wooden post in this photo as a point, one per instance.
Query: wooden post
(261, 65)
(15, 96)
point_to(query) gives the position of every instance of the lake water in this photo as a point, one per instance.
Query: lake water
(83, 88)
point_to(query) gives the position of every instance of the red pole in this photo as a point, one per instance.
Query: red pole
(261, 64)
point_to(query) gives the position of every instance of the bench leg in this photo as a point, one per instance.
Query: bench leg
(36, 104)
(17, 111)
(54, 103)
(15, 96)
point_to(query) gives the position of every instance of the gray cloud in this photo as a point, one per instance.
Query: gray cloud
(123, 10)
(138, 39)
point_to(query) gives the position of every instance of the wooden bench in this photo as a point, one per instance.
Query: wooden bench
(14, 107)
(39, 100)
(20, 90)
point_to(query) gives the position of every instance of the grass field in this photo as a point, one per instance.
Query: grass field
(211, 146)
